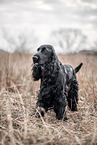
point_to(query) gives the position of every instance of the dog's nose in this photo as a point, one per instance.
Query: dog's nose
(35, 59)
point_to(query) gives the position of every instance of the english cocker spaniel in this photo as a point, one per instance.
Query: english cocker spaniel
(59, 85)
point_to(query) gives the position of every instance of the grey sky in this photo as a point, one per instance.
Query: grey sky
(44, 16)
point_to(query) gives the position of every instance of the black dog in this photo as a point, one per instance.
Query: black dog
(58, 82)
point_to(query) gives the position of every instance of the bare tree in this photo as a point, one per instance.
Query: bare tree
(70, 40)
(23, 42)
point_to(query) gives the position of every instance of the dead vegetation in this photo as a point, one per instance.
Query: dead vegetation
(18, 122)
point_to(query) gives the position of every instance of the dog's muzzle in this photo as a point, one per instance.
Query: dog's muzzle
(35, 59)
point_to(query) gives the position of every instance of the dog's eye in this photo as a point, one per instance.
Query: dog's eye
(38, 49)
(43, 50)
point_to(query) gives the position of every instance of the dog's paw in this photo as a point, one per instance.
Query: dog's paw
(65, 118)
(40, 111)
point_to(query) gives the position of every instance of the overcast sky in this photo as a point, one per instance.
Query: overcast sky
(44, 16)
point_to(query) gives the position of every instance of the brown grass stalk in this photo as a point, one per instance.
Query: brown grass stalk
(9, 118)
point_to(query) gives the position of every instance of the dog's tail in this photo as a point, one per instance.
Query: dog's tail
(78, 67)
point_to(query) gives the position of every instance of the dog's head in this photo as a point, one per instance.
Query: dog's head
(45, 55)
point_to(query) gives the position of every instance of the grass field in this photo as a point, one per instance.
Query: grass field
(18, 96)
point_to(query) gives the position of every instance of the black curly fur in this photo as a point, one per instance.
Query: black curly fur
(59, 86)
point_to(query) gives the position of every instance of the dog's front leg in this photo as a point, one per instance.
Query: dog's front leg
(60, 111)
(41, 110)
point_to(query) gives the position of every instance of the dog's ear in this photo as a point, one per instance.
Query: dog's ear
(36, 72)
(54, 56)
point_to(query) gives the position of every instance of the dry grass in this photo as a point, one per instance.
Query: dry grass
(18, 124)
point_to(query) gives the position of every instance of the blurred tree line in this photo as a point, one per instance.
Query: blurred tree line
(23, 42)
(68, 40)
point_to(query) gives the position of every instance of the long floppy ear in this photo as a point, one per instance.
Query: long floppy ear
(54, 56)
(36, 72)
(55, 64)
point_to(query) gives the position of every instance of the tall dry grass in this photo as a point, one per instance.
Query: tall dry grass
(18, 124)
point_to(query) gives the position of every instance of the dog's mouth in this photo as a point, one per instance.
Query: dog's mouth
(36, 63)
